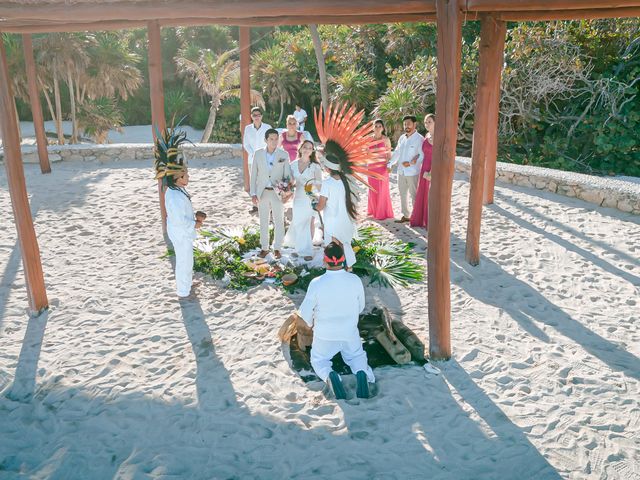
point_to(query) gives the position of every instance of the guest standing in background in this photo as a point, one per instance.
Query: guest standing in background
(408, 155)
(420, 215)
(291, 138)
(301, 117)
(379, 204)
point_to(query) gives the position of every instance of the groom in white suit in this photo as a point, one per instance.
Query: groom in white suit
(270, 166)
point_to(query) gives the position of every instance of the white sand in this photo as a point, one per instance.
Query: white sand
(119, 380)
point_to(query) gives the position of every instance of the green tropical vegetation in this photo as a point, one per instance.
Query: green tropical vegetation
(570, 90)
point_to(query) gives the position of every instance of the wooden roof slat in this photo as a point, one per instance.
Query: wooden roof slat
(155, 10)
(537, 5)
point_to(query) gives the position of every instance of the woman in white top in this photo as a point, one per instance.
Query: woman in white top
(306, 171)
(338, 212)
(181, 227)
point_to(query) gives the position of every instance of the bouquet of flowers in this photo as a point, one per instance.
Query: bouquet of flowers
(309, 190)
(284, 188)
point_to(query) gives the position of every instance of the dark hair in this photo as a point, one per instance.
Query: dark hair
(312, 157)
(351, 205)
(256, 109)
(334, 250)
(384, 129)
(410, 117)
(270, 132)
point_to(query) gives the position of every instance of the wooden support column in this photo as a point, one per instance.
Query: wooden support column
(245, 96)
(493, 113)
(449, 25)
(34, 277)
(36, 108)
(156, 91)
(492, 34)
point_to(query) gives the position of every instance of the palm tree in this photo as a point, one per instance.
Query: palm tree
(97, 117)
(64, 55)
(322, 69)
(354, 87)
(16, 66)
(217, 76)
(275, 75)
(112, 69)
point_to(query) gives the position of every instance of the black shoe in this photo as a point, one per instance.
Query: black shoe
(253, 210)
(362, 385)
(336, 385)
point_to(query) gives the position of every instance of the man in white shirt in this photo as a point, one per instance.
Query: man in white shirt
(408, 155)
(301, 117)
(270, 166)
(253, 137)
(331, 307)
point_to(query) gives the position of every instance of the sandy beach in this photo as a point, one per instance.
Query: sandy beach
(120, 380)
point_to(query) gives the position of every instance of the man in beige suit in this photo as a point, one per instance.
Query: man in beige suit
(270, 166)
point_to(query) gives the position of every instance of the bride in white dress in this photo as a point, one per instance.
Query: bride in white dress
(306, 172)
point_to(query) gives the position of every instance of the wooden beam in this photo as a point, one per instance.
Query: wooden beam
(36, 108)
(160, 10)
(492, 38)
(34, 277)
(449, 21)
(587, 14)
(245, 96)
(156, 90)
(529, 5)
(33, 26)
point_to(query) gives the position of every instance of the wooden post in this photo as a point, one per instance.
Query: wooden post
(34, 277)
(156, 91)
(493, 113)
(245, 96)
(449, 25)
(36, 108)
(492, 34)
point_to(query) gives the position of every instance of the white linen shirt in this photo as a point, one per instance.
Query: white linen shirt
(253, 139)
(333, 304)
(407, 148)
(181, 222)
(300, 116)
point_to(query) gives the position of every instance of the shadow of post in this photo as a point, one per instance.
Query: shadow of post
(24, 382)
(533, 309)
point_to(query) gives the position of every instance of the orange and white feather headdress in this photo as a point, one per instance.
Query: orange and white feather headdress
(348, 147)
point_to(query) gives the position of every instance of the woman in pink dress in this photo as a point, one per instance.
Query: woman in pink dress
(420, 214)
(379, 205)
(291, 138)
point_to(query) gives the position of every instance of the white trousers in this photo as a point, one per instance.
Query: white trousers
(408, 186)
(183, 248)
(270, 203)
(322, 351)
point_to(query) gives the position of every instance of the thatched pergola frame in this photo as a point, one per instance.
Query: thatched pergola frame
(32, 16)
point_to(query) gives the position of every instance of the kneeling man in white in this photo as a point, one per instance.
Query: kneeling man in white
(331, 307)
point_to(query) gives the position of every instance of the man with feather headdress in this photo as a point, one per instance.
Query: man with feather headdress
(181, 221)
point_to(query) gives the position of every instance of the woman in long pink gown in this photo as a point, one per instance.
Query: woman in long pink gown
(420, 214)
(291, 138)
(379, 204)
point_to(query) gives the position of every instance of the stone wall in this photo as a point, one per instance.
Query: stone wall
(604, 191)
(114, 152)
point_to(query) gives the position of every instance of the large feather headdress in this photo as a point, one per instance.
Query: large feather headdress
(348, 147)
(169, 161)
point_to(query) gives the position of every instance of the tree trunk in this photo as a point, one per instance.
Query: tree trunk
(322, 70)
(281, 110)
(56, 95)
(72, 103)
(211, 121)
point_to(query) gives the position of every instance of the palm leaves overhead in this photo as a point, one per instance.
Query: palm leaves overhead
(217, 76)
(348, 144)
